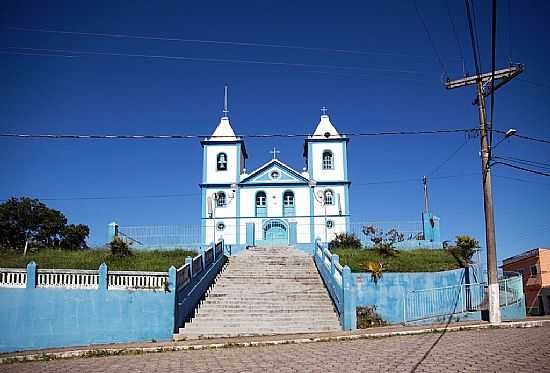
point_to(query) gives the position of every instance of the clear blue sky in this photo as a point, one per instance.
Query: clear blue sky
(397, 86)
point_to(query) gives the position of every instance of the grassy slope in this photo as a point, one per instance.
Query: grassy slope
(91, 259)
(420, 260)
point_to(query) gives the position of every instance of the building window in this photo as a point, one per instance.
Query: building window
(330, 224)
(288, 204)
(220, 226)
(329, 197)
(221, 162)
(261, 204)
(288, 199)
(220, 199)
(275, 174)
(328, 160)
(534, 270)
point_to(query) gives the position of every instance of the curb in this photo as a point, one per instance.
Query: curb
(97, 352)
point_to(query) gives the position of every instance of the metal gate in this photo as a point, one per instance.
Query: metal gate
(275, 233)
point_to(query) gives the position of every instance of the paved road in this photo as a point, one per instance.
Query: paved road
(494, 350)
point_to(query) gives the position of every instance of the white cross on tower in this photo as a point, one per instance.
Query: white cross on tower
(274, 152)
(324, 110)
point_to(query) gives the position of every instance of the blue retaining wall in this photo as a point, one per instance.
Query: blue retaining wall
(388, 293)
(44, 318)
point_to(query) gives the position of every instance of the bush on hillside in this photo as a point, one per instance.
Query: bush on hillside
(345, 241)
(119, 248)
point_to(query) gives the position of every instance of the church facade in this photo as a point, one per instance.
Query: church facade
(274, 205)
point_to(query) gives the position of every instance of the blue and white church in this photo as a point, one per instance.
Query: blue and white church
(274, 205)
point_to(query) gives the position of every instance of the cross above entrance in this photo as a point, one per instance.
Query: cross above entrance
(324, 110)
(274, 152)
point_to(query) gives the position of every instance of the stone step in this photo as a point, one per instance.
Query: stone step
(264, 291)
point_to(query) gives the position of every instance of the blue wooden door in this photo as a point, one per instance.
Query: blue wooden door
(275, 233)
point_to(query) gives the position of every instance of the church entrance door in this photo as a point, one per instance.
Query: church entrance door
(275, 233)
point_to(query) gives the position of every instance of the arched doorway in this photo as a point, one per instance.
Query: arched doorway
(275, 233)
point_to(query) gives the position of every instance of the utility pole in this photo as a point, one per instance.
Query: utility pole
(501, 77)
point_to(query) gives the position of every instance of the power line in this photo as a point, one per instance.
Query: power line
(521, 180)
(162, 196)
(166, 137)
(437, 168)
(456, 37)
(472, 37)
(214, 42)
(95, 198)
(510, 31)
(430, 38)
(534, 83)
(525, 137)
(522, 168)
(493, 68)
(207, 59)
(525, 162)
(415, 180)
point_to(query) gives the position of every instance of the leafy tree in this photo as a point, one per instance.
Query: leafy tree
(464, 250)
(74, 236)
(26, 220)
(345, 241)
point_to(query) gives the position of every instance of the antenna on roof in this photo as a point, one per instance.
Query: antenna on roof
(225, 110)
(426, 203)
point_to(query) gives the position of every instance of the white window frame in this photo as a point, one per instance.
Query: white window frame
(328, 164)
(263, 199)
(289, 202)
(220, 162)
(221, 202)
(331, 193)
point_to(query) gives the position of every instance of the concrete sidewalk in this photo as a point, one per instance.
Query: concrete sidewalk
(256, 341)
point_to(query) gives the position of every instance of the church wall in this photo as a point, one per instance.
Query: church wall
(337, 149)
(213, 176)
(223, 215)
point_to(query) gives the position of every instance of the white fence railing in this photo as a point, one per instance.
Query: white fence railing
(67, 278)
(83, 279)
(13, 277)
(133, 280)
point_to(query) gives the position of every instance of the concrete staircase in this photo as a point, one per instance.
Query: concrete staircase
(264, 291)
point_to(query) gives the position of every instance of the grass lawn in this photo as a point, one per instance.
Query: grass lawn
(158, 260)
(419, 260)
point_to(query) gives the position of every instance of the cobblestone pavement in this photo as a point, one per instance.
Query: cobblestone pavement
(489, 350)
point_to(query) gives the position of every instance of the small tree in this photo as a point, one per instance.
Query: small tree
(119, 247)
(376, 270)
(345, 241)
(464, 250)
(383, 243)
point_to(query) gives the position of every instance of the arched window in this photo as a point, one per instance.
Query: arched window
(261, 204)
(221, 162)
(220, 199)
(328, 160)
(288, 203)
(329, 197)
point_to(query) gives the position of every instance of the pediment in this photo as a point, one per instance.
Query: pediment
(274, 172)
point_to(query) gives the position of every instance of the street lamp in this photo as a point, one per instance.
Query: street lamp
(320, 198)
(213, 204)
(511, 132)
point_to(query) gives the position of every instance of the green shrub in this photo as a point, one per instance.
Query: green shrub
(345, 241)
(119, 248)
(367, 317)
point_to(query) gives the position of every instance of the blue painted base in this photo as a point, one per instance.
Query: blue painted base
(46, 318)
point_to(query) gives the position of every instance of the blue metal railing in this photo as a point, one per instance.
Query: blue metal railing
(432, 303)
